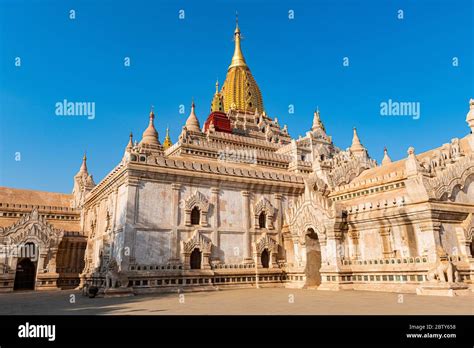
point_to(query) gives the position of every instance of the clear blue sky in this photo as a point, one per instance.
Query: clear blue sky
(295, 62)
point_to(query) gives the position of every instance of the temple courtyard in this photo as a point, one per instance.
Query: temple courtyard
(277, 301)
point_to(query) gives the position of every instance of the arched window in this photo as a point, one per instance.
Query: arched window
(195, 216)
(265, 258)
(195, 259)
(262, 220)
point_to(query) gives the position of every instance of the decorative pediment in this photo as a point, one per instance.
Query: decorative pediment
(266, 242)
(198, 241)
(197, 200)
(32, 227)
(264, 205)
(453, 175)
(304, 216)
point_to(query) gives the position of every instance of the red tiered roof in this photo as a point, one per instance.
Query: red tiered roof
(220, 120)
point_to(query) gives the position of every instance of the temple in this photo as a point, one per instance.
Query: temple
(238, 202)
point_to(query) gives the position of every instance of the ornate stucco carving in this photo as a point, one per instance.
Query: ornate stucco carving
(453, 175)
(266, 242)
(265, 206)
(202, 203)
(32, 227)
(197, 240)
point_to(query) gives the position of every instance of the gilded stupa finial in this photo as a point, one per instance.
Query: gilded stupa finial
(237, 21)
(238, 58)
(167, 142)
(216, 104)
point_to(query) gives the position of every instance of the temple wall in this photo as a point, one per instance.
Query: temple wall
(398, 245)
(449, 238)
(370, 245)
(154, 208)
(230, 210)
(153, 247)
(155, 226)
(231, 246)
(120, 216)
(425, 241)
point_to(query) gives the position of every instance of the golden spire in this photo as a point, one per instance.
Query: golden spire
(167, 142)
(238, 58)
(216, 104)
(240, 91)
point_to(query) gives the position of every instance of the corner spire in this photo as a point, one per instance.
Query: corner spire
(150, 135)
(238, 58)
(356, 146)
(130, 142)
(317, 123)
(192, 123)
(386, 158)
(84, 164)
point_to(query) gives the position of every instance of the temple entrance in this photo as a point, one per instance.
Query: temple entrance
(313, 258)
(265, 258)
(195, 259)
(25, 275)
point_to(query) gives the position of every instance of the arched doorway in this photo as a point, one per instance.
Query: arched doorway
(25, 275)
(195, 259)
(313, 258)
(265, 258)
